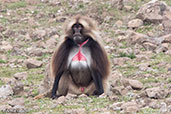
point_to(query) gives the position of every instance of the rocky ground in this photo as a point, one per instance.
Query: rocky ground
(137, 37)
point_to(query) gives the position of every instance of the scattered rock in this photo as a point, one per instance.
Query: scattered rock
(75, 111)
(51, 43)
(38, 44)
(3, 57)
(167, 24)
(21, 76)
(6, 46)
(152, 11)
(135, 23)
(149, 46)
(7, 80)
(61, 100)
(141, 57)
(166, 38)
(10, 1)
(168, 101)
(2, 28)
(119, 4)
(18, 88)
(35, 51)
(128, 8)
(135, 84)
(71, 96)
(120, 61)
(113, 98)
(115, 78)
(164, 109)
(16, 101)
(116, 106)
(144, 66)
(61, 18)
(119, 90)
(119, 23)
(5, 91)
(33, 2)
(19, 109)
(133, 37)
(130, 107)
(154, 104)
(38, 34)
(156, 92)
(83, 95)
(33, 63)
(103, 95)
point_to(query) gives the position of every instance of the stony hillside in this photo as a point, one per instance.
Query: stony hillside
(136, 35)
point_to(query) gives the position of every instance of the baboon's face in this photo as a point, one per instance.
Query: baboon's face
(77, 33)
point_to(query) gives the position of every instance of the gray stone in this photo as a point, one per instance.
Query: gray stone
(119, 23)
(156, 92)
(35, 52)
(6, 46)
(61, 100)
(135, 23)
(152, 11)
(130, 107)
(33, 63)
(6, 90)
(75, 111)
(51, 43)
(21, 76)
(135, 84)
(16, 101)
(18, 88)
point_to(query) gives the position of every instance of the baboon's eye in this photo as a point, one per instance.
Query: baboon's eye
(77, 26)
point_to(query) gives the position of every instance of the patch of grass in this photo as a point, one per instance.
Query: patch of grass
(168, 2)
(144, 29)
(44, 56)
(130, 55)
(9, 72)
(3, 20)
(169, 80)
(149, 111)
(151, 80)
(162, 57)
(124, 45)
(88, 103)
(2, 61)
(15, 5)
(118, 14)
(125, 98)
(54, 9)
(34, 76)
(128, 70)
(1, 83)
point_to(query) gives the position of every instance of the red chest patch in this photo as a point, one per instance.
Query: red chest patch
(79, 56)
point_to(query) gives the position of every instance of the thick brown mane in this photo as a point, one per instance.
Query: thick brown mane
(90, 26)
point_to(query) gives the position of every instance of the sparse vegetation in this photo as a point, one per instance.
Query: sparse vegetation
(131, 55)
(20, 23)
(15, 5)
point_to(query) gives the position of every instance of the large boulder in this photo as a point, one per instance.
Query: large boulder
(156, 11)
(152, 11)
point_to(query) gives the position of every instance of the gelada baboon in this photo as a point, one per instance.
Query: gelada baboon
(80, 64)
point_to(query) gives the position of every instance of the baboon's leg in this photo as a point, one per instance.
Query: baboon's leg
(63, 85)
